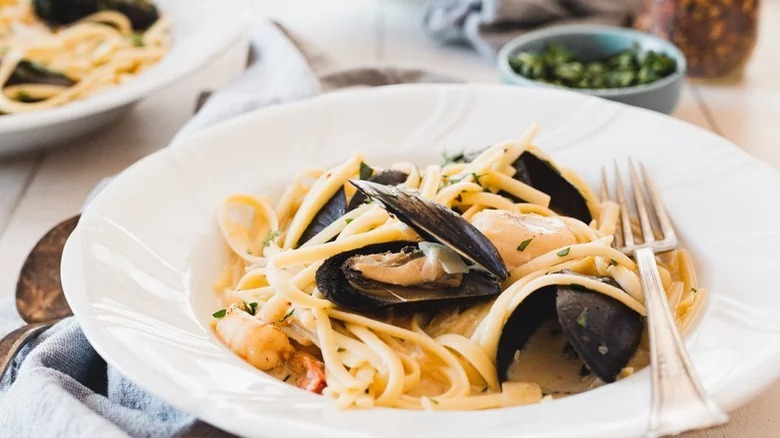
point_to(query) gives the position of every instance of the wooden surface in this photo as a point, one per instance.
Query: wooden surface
(38, 190)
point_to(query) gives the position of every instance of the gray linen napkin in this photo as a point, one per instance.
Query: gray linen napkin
(59, 386)
(489, 24)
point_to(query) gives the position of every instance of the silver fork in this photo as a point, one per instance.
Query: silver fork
(679, 403)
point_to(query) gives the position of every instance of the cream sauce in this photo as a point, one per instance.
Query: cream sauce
(544, 360)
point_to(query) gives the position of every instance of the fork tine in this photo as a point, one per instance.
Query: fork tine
(625, 220)
(606, 196)
(641, 208)
(663, 219)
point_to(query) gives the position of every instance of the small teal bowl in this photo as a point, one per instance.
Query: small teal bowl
(592, 42)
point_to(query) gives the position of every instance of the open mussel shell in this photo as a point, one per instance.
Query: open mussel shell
(542, 175)
(332, 280)
(436, 222)
(333, 210)
(603, 331)
(29, 72)
(141, 13)
(521, 324)
(388, 177)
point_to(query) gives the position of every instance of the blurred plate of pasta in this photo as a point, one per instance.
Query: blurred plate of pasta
(67, 69)
(143, 286)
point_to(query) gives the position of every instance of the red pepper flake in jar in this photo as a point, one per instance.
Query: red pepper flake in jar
(717, 36)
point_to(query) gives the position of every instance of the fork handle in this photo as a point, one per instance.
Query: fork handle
(679, 402)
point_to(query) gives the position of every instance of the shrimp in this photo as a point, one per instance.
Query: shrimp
(265, 346)
(310, 372)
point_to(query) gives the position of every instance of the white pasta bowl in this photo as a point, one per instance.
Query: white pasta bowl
(200, 31)
(138, 271)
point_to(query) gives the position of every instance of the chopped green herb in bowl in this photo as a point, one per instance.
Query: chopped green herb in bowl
(560, 66)
(613, 63)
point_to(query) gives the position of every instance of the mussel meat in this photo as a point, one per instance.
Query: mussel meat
(402, 276)
(334, 209)
(575, 330)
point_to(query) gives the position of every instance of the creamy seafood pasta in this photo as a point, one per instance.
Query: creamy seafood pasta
(490, 280)
(53, 52)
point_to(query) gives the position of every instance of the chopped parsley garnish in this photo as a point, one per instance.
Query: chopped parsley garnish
(694, 290)
(270, 237)
(249, 251)
(287, 315)
(340, 349)
(137, 39)
(613, 262)
(582, 320)
(348, 220)
(365, 171)
(24, 97)
(250, 308)
(564, 252)
(476, 177)
(434, 401)
(456, 158)
(524, 244)
(219, 314)
(287, 377)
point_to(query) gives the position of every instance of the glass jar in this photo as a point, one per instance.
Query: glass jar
(717, 36)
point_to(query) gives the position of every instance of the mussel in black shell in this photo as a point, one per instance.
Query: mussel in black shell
(337, 205)
(30, 72)
(530, 169)
(542, 175)
(334, 209)
(388, 177)
(561, 334)
(438, 223)
(402, 276)
(456, 265)
(141, 13)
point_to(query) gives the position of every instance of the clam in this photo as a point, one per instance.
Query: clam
(328, 213)
(455, 265)
(575, 331)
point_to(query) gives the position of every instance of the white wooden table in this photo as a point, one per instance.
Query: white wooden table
(37, 191)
